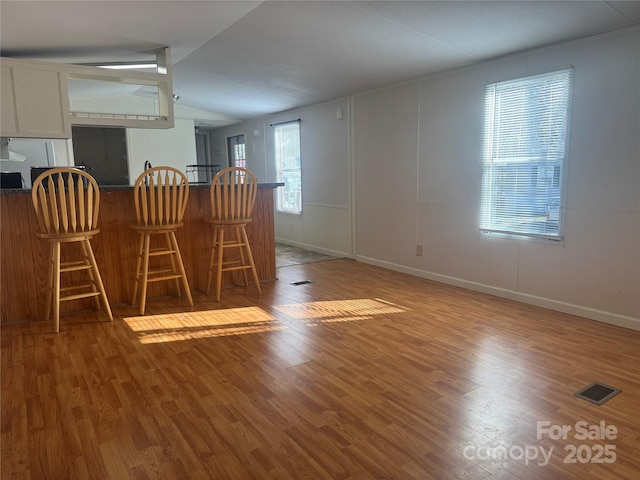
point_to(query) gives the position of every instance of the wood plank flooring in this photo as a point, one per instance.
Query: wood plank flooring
(362, 374)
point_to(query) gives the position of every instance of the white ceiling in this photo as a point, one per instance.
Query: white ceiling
(244, 59)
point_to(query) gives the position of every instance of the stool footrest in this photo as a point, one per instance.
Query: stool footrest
(80, 295)
(239, 267)
(233, 244)
(164, 277)
(74, 266)
(158, 252)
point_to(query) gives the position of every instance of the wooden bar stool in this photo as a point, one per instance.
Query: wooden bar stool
(67, 201)
(160, 196)
(233, 194)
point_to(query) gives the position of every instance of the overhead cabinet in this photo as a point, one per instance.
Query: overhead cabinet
(156, 87)
(34, 100)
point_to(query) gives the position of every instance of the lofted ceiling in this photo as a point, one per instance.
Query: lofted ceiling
(243, 59)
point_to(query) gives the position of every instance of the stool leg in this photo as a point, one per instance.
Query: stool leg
(220, 254)
(145, 272)
(96, 274)
(90, 272)
(243, 262)
(212, 258)
(172, 258)
(50, 281)
(138, 266)
(178, 257)
(253, 266)
(56, 287)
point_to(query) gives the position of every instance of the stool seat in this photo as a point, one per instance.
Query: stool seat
(160, 197)
(66, 201)
(68, 237)
(156, 228)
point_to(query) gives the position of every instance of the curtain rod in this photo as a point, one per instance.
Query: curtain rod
(283, 123)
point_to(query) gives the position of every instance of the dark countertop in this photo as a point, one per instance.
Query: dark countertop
(113, 188)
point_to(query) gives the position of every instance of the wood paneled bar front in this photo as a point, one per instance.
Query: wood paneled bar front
(25, 257)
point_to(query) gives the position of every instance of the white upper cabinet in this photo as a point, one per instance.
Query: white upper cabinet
(34, 100)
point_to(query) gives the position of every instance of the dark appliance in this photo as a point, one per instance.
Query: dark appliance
(11, 180)
(36, 171)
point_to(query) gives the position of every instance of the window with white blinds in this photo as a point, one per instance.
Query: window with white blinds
(525, 153)
(288, 167)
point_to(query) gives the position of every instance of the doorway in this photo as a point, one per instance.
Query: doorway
(236, 151)
(202, 148)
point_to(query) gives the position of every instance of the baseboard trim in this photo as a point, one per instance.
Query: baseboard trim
(580, 311)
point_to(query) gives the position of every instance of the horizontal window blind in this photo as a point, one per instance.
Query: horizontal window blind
(525, 152)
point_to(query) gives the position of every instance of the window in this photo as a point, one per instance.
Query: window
(236, 150)
(287, 145)
(525, 153)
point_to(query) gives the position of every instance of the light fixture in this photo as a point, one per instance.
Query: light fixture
(127, 66)
(176, 97)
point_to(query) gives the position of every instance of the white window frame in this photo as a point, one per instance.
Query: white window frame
(288, 167)
(525, 155)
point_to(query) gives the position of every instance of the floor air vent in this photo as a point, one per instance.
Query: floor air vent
(303, 282)
(597, 393)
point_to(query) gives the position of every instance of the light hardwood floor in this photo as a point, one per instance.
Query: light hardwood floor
(362, 374)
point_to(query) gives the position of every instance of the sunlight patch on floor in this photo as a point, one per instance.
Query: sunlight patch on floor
(172, 327)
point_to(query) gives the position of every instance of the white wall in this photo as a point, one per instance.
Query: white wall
(595, 272)
(404, 168)
(386, 168)
(173, 147)
(38, 153)
(254, 132)
(325, 222)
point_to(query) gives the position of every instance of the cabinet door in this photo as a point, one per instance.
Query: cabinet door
(8, 103)
(37, 103)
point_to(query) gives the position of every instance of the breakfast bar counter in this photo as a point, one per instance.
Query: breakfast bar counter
(23, 274)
